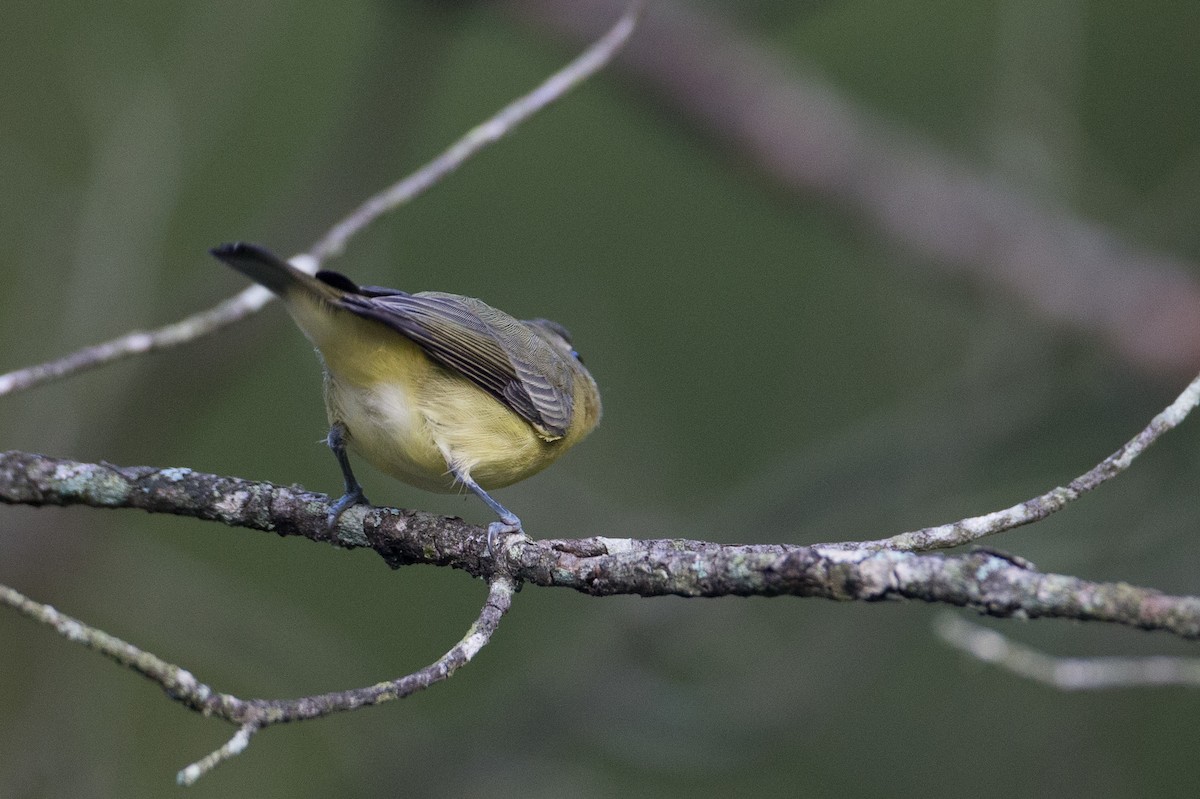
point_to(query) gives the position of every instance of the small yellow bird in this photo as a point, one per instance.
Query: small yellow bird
(434, 389)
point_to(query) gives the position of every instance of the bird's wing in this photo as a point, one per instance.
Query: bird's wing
(500, 354)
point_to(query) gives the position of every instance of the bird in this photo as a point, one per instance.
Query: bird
(437, 390)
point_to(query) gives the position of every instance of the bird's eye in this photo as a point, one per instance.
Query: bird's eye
(575, 354)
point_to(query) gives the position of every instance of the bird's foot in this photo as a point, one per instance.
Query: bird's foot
(344, 503)
(508, 525)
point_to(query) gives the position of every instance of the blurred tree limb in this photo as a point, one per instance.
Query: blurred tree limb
(1064, 673)
(811, 138)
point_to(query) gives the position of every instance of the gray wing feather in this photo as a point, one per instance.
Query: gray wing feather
(488, 347)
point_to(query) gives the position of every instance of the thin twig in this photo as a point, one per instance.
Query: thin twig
(233, 747)
(1063, 673)
(177, 682)
(252, 715)
(1032, 510)
(333, 242)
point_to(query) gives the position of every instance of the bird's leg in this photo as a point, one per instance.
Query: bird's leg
(509, 523)
(354, 492)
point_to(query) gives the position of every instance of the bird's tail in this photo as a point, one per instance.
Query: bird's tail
(265, 267)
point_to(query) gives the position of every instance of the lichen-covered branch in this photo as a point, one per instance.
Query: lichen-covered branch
(987, 582)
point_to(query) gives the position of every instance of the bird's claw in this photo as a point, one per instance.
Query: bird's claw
(502, 528)
(344, 503)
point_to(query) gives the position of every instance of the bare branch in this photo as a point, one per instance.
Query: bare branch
(1032, 510)
(1066, 674)
(177, 682)
(252, 299)
(251, 715)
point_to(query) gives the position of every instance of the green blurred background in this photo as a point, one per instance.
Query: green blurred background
(774, 368)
